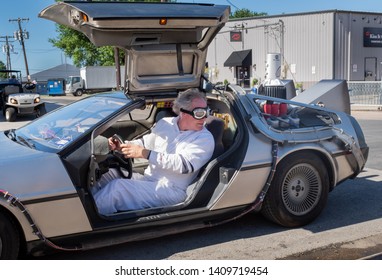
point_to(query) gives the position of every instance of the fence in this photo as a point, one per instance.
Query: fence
(365, 93)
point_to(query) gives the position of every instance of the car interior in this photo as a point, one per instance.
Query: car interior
(139, 122)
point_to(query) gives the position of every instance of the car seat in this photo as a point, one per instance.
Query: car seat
(216, 126)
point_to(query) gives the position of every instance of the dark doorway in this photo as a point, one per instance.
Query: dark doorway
(243, 76)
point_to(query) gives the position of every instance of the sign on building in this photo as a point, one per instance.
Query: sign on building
(235, 36)
(372, 37)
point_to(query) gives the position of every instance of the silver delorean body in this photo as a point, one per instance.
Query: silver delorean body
(282, 165)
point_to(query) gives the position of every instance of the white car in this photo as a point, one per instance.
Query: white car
(17, 99)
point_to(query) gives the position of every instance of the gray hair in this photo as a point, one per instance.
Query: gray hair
(185, 98)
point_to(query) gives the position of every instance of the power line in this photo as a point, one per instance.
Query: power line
(229, 2)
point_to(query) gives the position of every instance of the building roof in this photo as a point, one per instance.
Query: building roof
(60, 71)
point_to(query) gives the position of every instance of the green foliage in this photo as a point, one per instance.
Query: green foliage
(3, 67)
(255, 82)
(243, 13)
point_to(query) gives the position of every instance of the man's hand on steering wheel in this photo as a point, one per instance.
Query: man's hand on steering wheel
(134, 151)
(124, 163)
(115, 142)
(125, 152)
(128, 149)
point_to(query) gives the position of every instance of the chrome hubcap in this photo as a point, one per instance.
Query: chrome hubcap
(301, 190)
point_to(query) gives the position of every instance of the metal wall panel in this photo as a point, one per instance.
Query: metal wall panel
(358, 54)
(316, 46)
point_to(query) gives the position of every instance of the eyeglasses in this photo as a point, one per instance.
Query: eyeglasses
(197, 113)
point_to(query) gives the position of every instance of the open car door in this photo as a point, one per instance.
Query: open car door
(166, 42)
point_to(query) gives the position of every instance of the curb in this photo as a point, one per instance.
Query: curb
(361, 107)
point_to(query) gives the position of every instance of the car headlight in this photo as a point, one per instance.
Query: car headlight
(37, 100)
(13, 101)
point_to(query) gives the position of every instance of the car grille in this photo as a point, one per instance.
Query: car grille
(26, 110)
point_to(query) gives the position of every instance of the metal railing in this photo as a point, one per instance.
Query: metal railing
(365, 93)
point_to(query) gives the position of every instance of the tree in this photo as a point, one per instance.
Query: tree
(243, 13)
(77, 46)
(3, 67)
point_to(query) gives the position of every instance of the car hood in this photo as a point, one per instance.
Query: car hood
(166, 42)
(30, 174)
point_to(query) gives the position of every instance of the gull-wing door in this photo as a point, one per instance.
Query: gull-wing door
(166, 42)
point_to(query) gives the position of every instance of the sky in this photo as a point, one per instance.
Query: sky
(41, 54)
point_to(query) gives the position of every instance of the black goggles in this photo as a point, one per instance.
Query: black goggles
(197, 113)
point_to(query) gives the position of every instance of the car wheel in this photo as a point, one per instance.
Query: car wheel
(9, 238)
(41, 110)
(298, 192)
(10, 114)
(79, 92)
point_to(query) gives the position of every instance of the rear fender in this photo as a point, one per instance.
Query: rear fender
(283, 154)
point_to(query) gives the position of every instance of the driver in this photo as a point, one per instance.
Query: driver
(176, 149)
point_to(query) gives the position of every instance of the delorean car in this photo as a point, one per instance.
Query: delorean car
(275, 156)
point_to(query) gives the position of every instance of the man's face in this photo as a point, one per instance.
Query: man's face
(188, 121)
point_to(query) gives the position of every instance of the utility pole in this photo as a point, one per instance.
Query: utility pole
(7, 48)
(20, 35)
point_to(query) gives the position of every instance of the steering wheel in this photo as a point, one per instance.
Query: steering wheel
(30, 85)
(125, 165)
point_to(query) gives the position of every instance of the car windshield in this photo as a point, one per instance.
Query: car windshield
(9, 76)
(55, 131)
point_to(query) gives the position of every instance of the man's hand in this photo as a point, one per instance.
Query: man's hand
(134, 151)
(114, 144)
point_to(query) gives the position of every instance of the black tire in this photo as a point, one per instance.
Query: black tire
(79, 92)
(10, 114)
(298, 192)
(9, 238)
(41, 110)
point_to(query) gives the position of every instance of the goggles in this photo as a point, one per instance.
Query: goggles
(198, 113)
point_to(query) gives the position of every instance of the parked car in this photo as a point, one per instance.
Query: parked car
(282, 166)
(16, 98)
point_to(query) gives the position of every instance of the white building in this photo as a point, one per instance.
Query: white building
(313, 46)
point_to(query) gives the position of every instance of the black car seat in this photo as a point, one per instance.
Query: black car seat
(164, 113)
(216, 126)
(11, 89)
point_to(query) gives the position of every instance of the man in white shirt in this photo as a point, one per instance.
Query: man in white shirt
(176, 149)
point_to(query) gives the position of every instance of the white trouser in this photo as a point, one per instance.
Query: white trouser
(113, 193)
